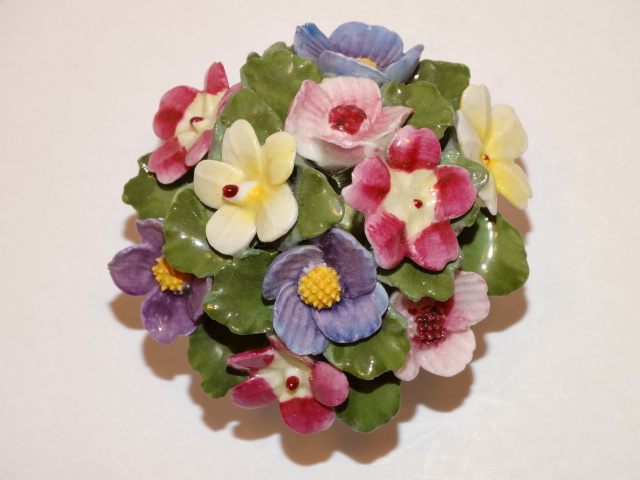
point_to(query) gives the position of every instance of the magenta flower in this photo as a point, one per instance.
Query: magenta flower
(185, 121)
(307, 390)
(173, 299)
(409, 200)
(441, 341)
(340, 121)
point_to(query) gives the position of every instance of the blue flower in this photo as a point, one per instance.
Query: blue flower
(355, 49)
(325, 291)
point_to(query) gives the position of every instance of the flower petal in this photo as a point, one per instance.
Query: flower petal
(512, 182)
(401, 70)
(456, 193)
(278, 214)
(310, 42)
(469, 303)
(375, 43)
(209, 178)
(506, 139)
(279, 151)
(345, 66)
(216, 79)
(241, 149)
(369, 186)
(199, 148)
(254, 392)
(354, 264)
(166, 316)
(306, 415)
(253, 360)
(231, 229)
(488, 195)
(168, 161)
(468, 138)
(360, 92)
(476, 105)
(386, 233)
(151, 233)
(350, 319)
(449, 357)
(294, 323)
(288, 267)
(410, 369)
(199, 288)
(329, 385)
(434, 247)
(413, 149)
(130, 269)
(173, 105)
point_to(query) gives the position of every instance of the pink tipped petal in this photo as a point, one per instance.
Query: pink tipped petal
(386, 234)
(254, 392)
(455, 192)
(413, 149)
(328, 384)
(199, 149)
(306, 415)
(449, 357)
(173, 105)
(167, 161)
(216, 79)
(469, 303)
(410, 369)
(370, 184)
(434, 247)
(390, 120)
(252, 360)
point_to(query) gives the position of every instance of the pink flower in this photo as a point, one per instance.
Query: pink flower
(185, 122)
(307, 390)
(441, 341)
(409, 201)
(340, 121)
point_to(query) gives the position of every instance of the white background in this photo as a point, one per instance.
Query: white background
(552, 392)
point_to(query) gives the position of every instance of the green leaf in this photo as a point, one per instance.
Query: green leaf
(271, 49)
(495, 249)
(277, 77)
(416, 282)
(186, 246)
(150, 198)
(478, 173)
(383, 351)
(319, 206)
(247, 105)
(450, 78)
(371, 403)
(209, 347)
(430, 109)
(466, 220)
(236, 297)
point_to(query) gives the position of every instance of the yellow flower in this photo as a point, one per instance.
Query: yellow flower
(494, 137)
(248, 188)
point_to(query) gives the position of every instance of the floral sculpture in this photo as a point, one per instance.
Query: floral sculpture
(327, 227)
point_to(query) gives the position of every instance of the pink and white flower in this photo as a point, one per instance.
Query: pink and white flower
(409, 200)
(441, 341)
(340, 121)
(185, 121)
(307, 390)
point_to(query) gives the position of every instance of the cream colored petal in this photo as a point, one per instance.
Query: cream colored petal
(476, 105)
(512, 182)
(209, 178)
(279, 152)
(240, 148)
(506, 139)
(488, 195)
(278, 214)
(468, 138)
(231, 229)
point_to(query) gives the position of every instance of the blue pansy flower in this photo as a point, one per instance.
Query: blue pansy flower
(325, 291)
(355, 49)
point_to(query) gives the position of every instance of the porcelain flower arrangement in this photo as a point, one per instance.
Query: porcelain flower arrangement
(327, 227)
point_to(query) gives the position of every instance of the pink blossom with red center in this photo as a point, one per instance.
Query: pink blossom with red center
(441, 341)
(340, 121)
(185, 121)
(307, 390)
(409, 199)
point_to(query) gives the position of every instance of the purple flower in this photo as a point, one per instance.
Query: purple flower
(307, 390)
(327, 290)
(174, 299)
(355, 49)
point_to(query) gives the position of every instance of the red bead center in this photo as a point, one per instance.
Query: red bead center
(347, 118)
(229, 191)
(417, 203)
(195, 120)
(292, 382)
(430, 329)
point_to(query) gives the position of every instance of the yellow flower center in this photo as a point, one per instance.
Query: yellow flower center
(168, 277)
(320, 287)
(367, 61)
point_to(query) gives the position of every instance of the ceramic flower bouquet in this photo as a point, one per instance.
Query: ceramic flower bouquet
(328, 226)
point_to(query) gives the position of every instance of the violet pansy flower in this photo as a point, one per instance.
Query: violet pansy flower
(325, 291)
(173, 299)
(340, 121)
(409, 199)
(184, 122)
(307, 390)
(356, 49)
(441, 341)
